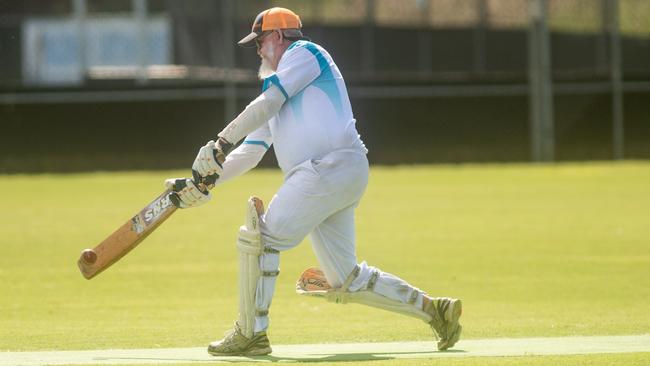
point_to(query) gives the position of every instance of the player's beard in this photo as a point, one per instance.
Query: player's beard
(266, 69)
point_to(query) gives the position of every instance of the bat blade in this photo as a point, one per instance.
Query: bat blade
(128, 236)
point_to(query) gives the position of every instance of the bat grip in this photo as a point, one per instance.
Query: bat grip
(176, 201)
(204, 183)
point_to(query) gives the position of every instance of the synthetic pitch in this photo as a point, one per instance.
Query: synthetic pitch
(342, 352)
(533, 250)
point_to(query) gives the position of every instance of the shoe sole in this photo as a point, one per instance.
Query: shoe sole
(453, 327)
(255, 352)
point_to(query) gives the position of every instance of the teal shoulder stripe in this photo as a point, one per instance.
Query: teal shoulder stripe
(322, 61)
(326, 81)
(311, 47)
(273, 79)
(256, 142)
(296, 44)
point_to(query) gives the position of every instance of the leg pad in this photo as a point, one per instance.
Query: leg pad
(249, 245)
(312, 282)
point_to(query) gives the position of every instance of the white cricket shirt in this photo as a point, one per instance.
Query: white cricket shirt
(317, 116)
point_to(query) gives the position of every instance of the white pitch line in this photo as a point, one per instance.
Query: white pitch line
(342, 352)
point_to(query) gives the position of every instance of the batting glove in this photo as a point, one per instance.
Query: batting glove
(185, 193)
(209, 160)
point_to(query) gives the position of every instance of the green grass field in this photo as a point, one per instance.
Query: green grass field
(533, 251)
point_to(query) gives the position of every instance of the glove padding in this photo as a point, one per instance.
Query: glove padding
(185, 193)
(209, 160)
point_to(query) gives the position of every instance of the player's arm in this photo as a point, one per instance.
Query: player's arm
(210, 162)
(247, 155)
(300, 66)
(257, 113)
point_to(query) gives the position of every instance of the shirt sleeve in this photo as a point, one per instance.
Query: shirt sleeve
(301, 64)
(247, 155)
(258, 112)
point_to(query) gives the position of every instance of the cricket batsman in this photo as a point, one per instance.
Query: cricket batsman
(304, 110)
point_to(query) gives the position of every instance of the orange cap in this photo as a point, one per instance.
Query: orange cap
(272, 19)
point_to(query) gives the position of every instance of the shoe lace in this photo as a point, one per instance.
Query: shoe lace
(437, 322)
(231, 333)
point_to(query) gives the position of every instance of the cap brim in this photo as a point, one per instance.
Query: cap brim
(248, 41)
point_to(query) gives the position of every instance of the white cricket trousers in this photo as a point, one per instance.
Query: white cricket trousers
(318, 197)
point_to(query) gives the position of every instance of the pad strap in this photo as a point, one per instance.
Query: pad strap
(414, 297)
(351, 277)
(259, 312)
(373, 280)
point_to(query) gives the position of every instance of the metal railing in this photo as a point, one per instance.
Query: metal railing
(226, 75)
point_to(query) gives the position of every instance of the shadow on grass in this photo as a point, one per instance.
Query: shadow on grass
(343, 357)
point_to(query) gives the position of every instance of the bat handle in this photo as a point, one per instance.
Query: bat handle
(204, 184)
(173, 197)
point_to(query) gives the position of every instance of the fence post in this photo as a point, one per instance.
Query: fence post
(230, 100)
(540, 84)
(615, 66)
(479, 38)
(425, 53)
(80, 14)
(140, 15)
(368, 41)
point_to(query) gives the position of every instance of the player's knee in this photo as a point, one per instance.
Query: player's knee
(280, 234)
(249, 239)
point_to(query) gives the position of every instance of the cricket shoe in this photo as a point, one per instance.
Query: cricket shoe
(236, 344)
(445, 313)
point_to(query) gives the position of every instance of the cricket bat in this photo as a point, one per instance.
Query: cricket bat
(128, 236)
